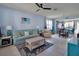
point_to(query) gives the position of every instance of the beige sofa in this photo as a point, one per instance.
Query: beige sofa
(46, 33)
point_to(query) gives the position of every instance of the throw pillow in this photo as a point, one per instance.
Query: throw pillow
(26, 33)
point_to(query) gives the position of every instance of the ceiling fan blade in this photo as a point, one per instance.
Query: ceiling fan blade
(38, 5)
(47, 8)
(37, 10)
(41, 5)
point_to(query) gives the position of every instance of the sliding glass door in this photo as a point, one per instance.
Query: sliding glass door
(77, 27)
(69, 24)
(49, 24)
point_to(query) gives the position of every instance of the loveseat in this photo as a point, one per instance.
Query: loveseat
(46, 33)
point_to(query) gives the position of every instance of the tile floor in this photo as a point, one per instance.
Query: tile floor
(58, 49)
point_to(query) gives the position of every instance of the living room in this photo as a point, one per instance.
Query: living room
(39, 29)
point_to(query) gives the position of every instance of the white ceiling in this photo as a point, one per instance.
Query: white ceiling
(64, 9)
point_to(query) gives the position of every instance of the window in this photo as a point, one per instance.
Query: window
(60, 25)
(69, 24)
(49, 24)
(77, 29)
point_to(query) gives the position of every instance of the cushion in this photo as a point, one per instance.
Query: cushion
(19, 34)
(30, 32)
(35, 32)
(26, 33)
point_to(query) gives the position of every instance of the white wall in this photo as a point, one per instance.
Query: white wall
(13, 18)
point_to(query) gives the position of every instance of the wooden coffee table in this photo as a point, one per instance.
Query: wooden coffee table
(34, 42)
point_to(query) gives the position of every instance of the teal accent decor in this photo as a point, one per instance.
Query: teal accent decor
(53, 26)
(73, 50)
(25, 20)
(53, 31)
(9, 32)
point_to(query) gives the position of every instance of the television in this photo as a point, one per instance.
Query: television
(0, 32)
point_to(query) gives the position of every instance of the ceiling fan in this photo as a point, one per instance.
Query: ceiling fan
(41, 6)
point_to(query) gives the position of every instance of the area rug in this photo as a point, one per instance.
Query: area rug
(38, 50)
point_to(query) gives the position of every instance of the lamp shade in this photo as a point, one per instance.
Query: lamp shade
(9, 27)
(37, 27)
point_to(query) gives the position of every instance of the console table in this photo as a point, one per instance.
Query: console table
(4, 41)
